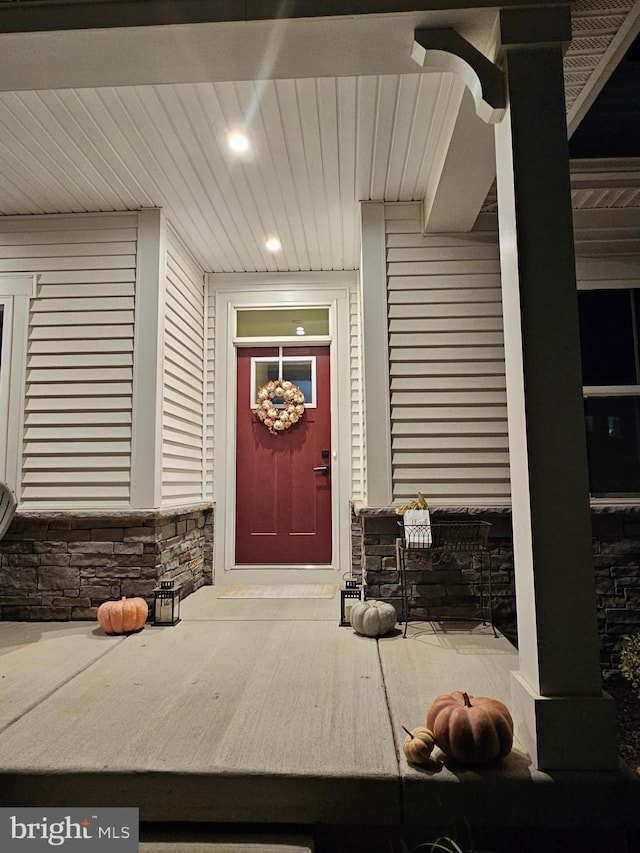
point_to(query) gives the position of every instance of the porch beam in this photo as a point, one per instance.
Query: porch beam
(561, 714)
(49, 15)
(467, 175)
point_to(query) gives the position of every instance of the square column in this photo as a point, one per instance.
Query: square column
(561, 714)
(148, 356)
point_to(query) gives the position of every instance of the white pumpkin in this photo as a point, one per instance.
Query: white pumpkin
(373, 618)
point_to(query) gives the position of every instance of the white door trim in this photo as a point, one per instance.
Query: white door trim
(16, 289)
(266, 290)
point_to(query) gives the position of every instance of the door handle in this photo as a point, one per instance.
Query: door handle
(323, 468)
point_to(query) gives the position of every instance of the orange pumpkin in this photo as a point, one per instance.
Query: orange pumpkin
(124, 616)
(471, 729)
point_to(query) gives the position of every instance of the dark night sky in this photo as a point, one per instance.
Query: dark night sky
(611, 128)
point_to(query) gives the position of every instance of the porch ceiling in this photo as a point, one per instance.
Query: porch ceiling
(337, 112)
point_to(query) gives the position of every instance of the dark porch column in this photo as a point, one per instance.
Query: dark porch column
(562, 716)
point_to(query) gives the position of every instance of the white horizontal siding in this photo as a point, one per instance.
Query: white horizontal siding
(210, 303)
(446, 354)
(184, 377)
(607, 248)
(358, 485)
(77, 425)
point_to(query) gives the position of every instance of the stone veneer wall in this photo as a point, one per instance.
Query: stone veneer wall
(63, 565)
(449, 587)
(616, 550)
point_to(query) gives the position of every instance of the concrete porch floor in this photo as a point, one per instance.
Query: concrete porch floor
(266, 712)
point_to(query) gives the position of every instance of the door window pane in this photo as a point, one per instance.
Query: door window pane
(607, 337)
(613, 444)
(301, 371)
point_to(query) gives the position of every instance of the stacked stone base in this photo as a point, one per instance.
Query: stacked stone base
(616, 547)
(448, 587)
(451, 588)
(63, 565)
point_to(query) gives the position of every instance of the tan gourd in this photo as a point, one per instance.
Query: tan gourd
(123, 616)
(418, 745)
(471, 729)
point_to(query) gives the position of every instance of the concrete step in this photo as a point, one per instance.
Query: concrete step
(230, 844)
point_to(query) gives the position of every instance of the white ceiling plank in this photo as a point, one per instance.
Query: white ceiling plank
(367, 105)
(264, 176)
(385, 120)
(22, 168)
(347, 124)
(171, 147)
(312, 152)
(105, 134)
(281, 178)
(81, 162)
(29, 142)
(428, 86)
(13, 198)
(238, 222)
(241, 100)
(327, 92)
(242, 174)
(225, 223)
(287, 95)
(132, 108)
(403, 128)
(347, 135)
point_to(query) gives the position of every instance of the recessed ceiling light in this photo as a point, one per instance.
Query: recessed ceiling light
(238, 141)
(273, 244)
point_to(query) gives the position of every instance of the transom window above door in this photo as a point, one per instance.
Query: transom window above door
(263, 323)
(301, 370)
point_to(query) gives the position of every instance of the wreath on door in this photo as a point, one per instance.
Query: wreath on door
(279, 419)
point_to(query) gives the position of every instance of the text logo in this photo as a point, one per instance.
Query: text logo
(75, 830)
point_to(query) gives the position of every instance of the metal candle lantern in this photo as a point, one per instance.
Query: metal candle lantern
(349, 594)
(166, 609)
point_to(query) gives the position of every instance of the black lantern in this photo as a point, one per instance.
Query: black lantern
(349, 594)
(166, 609)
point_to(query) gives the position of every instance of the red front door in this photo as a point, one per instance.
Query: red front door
(283, 506)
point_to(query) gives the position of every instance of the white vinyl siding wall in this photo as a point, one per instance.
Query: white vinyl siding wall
(183, 436)
(446, 361)
(358, 484)
(210, 302)
(607, 248)
(77, 431)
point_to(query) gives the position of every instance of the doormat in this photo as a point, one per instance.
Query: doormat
(280, 590)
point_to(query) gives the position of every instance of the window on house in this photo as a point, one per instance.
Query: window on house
(282, 322)
(299, 370)
(609, 336)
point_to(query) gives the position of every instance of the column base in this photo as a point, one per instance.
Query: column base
(565, 732)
